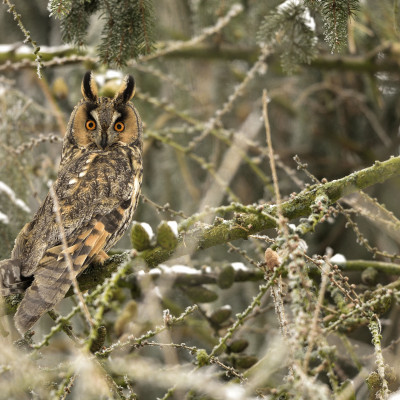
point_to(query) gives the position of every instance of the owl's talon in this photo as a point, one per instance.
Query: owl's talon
(101, 257)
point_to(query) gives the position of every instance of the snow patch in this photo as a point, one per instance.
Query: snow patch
(101, 79)
(338, 259)
(183, 269)
(113, 74)
(292, 227)
(24, 49)
(308, 19)
(394, 396)
(234, 392)
(239, 266)
(153, 271)
(148, 229)
(174, 227)
(207, 269)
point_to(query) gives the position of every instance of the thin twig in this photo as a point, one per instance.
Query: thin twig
(68, 260)
(314, 324)
(28, 37)
(271, 155)
(235, 10)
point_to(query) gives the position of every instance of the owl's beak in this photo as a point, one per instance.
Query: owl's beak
(101, 140)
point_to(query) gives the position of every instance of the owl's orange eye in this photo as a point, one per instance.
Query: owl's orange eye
(90, 125)
(119, 126)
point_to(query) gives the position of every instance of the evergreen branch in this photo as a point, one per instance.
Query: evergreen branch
(199, 353)
(290, 29)
(60, 8)
(127, 32)
(336, 15)
(30, 144)
(55, 62)
(143, 13)
(74, 25)
(215, 120)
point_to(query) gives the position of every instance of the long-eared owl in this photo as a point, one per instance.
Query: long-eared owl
(97, 191)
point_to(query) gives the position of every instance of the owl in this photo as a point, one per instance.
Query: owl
(95, 194)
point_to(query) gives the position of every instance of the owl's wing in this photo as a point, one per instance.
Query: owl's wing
(53, 276)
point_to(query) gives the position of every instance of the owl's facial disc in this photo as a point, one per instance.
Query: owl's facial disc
(101, 122)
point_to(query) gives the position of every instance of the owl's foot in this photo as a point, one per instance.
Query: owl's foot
(101, 257)
(11, 281)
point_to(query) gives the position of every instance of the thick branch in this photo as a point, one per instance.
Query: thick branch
(256, 219)
(12, 56)
(18, 52)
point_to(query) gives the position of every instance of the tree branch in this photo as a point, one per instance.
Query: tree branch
(250, 220)
(16, 56)
(254, 219)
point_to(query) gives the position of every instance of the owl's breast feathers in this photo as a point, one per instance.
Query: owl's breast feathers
(106, 185)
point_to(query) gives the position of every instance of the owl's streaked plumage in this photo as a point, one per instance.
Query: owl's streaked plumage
(97, 189)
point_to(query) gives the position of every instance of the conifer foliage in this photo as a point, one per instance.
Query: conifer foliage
(127, 31)
(291, 30)
(129, 25)
(336, 14)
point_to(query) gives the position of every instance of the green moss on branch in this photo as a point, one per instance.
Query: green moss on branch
(254, 219)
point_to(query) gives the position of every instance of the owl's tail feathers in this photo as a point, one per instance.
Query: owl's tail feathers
(11, 281)
(51, 283)
(53, 276)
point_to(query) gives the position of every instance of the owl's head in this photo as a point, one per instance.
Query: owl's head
(99, 123)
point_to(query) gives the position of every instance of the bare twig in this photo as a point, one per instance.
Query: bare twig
(27, 34)
(68, 260)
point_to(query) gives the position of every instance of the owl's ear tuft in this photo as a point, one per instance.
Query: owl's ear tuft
(89, 87)
(126, 91)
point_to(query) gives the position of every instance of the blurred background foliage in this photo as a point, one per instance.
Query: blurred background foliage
(332, 76)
